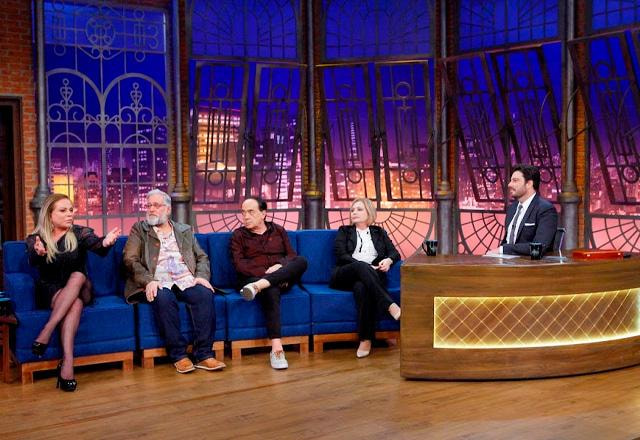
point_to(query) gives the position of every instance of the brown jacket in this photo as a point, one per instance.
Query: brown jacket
(141, 256)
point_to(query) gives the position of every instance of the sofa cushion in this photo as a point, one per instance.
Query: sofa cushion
(203, 241)
(393, 276)
(101, 271)
(293, 240)
(223, 274)
(245, 319)
(331, 305)
(120, 274)
(21, 289)
(334, 311)
(317, 247)
(15, 258)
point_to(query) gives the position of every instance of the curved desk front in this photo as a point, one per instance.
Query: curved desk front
(474, 317)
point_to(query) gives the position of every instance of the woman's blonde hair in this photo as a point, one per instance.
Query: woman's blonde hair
(45, 228)
(368, 206)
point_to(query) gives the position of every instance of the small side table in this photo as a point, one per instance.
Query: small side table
(5, 332)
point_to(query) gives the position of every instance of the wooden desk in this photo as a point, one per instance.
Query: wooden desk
(5, 332)
(474, 317)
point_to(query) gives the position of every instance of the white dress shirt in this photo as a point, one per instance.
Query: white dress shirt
(365, 250)
(519, 220)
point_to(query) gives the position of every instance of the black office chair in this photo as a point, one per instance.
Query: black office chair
(557, 239)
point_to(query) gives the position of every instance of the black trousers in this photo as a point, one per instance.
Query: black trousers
(369, 292)
(281, 281)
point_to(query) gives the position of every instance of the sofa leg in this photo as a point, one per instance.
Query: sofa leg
(149, 355)
(304, 349)
(127, 365)
(318, 347)
(393, 342)
(26, 370)
(236, 352)
(392, 337)
(27, 377)
(148, 362)
(218, 348)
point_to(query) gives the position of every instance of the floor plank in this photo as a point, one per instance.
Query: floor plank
(324, 395)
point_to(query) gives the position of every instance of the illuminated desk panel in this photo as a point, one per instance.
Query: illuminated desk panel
(471, 317)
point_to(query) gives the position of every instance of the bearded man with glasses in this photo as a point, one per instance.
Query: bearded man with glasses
(165, 265)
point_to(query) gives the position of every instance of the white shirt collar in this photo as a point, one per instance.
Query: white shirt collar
(526, 203)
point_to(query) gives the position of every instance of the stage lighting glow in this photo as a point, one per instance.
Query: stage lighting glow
(535, 321)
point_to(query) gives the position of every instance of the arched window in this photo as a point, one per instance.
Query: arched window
(490, 23)
(107, 107)
(608, 81)
(606, 14)
(247, 101)
(376, 28)
(377, 96)
(508, 109)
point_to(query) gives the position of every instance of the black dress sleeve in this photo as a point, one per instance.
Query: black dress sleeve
(35, 260)
(88, 240)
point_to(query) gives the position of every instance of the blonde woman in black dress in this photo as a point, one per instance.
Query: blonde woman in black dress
(58, 249)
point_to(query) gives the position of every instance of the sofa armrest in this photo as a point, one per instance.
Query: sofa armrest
(20, 287)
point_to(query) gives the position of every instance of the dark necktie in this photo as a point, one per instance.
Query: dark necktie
(512, 235)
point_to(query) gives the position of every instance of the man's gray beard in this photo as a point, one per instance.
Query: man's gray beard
(157, 220)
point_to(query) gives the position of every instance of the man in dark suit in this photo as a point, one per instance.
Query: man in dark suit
(530, 219)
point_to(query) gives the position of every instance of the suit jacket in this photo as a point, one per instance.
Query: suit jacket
(346, 241)
(538, 225)
(140, 256)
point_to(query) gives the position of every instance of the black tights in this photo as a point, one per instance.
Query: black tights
(66, 307)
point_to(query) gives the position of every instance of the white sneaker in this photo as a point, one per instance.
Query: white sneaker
(278, 361)
(249, 292)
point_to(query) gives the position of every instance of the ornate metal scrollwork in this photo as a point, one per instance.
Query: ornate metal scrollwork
(107, 115)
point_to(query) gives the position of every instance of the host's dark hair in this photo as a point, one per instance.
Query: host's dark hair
(530, 172)
(262, 205)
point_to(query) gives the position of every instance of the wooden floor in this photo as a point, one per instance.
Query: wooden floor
(326, 395)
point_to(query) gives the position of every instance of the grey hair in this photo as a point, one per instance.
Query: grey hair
(156, 192)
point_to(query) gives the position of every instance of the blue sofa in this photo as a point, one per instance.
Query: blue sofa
(106, 332)
(110, 330)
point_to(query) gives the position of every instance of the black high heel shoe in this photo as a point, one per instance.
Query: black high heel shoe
(65, 384)
(38, 348)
